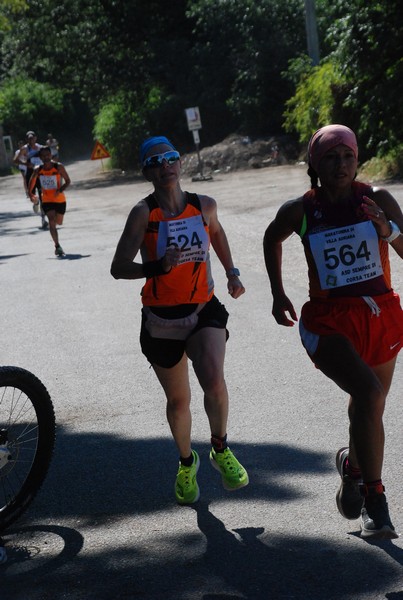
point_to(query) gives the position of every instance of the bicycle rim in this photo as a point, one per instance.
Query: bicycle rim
(27, 436)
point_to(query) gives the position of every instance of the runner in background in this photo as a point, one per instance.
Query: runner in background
(352, 325)
(31, 152)
(54, 180)
(53, 144)
(20, 160)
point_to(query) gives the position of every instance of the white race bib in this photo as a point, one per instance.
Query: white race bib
(48, 182)
(346, 255)
(189, 235)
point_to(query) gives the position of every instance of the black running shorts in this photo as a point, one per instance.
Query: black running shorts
(167, 353)
(59, 207)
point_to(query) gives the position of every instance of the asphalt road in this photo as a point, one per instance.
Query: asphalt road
(105, 525)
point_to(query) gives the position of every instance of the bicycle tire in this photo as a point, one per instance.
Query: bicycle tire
(27, 438)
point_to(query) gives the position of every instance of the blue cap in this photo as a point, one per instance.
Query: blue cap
(153, 141)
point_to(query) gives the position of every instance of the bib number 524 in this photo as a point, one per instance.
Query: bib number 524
(183, 242)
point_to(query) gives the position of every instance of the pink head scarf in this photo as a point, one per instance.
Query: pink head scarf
(326, 138)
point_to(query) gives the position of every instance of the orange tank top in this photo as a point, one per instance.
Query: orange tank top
(190, 282)
(51, 181)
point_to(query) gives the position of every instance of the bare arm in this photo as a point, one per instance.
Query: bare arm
(381, 209)
(66, 178)
(286, 222)
(20, 157)
(16, 159)
(123, 265)
(32, 182)
(219, 241)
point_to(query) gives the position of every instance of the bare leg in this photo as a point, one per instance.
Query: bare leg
(175, 382)
(385, 374)
(368, 388)
(51, 214)
(25, 184)
(54, 219)
(206, 349)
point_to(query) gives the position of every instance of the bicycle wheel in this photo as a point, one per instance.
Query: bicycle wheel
(27, 437)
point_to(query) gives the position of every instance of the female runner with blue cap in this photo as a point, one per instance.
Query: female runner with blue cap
(352, 325)
(181, 316)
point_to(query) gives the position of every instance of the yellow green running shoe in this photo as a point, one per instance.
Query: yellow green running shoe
(233, 475)
(186, 488)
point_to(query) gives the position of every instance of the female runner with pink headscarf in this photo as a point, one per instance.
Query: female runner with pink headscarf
(352, 325)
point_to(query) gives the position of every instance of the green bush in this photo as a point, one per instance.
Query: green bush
(313, 104)
(123, 122)
(26, 104)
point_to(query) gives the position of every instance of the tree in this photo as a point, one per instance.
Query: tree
(240, 51)
(314, 102)
(225, 56)
(104, 51)
(26, 104)
(10, 7)
(96, 47)
(367, 41)
(360, 80)
(121, 126)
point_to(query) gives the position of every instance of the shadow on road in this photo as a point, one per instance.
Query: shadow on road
(7, 219)
(109, 179)
(5, 257)
(69, 256)
(20, 557)
(101, 480)
(266, 566)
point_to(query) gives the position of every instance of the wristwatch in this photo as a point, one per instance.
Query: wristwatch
(395, 232)
(234, 272)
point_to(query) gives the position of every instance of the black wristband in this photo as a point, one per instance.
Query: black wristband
(153, 268)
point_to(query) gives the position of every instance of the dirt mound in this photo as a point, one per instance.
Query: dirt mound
(234, 153)
(239, 153)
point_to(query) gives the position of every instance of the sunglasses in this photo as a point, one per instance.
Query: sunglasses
(157, 159)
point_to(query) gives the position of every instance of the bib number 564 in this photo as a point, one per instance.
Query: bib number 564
(345, 255)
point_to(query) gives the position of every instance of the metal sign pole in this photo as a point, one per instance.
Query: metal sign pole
(196, 139)
(194, 124)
